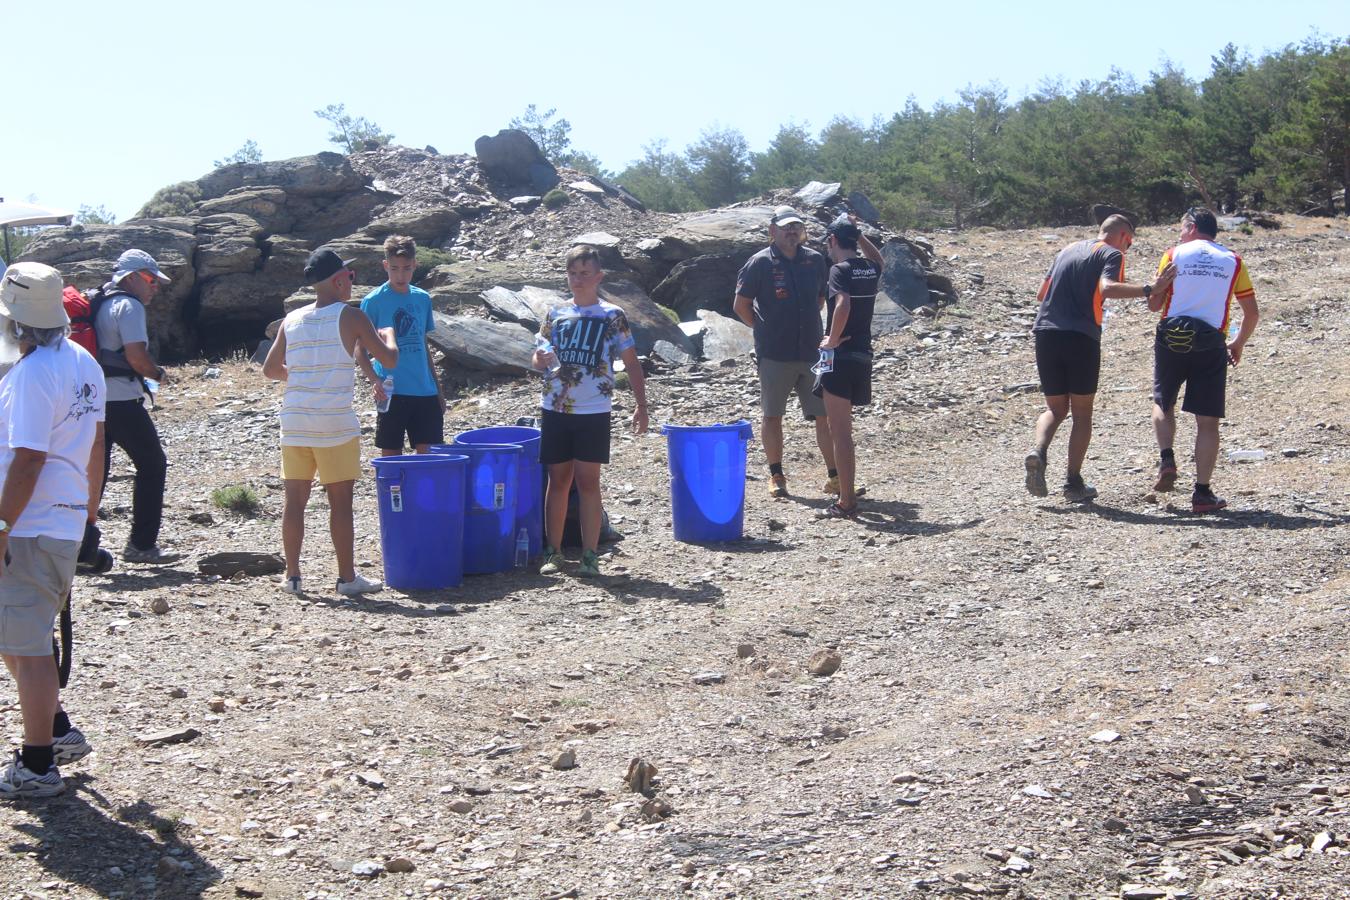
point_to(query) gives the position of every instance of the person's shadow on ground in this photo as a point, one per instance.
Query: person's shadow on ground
(1224, 519)
(80, 839)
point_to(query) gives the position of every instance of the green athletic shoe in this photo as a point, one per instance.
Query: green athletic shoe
(590, 564)
(552, 562)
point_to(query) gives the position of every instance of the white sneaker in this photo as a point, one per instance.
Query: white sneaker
(292, 585)
(70, 747)
(358, 586)
(19, 782)
(153, 557)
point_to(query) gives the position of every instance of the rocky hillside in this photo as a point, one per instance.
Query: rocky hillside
(494, 228)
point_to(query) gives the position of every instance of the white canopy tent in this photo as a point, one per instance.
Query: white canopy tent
(18, 214)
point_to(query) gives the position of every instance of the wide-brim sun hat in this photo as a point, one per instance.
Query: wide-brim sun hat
(31, 295)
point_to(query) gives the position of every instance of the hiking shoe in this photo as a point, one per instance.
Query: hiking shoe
(832, 487)
(1077, 491)
(292, 585)
(835, 511)
(1206, 502)
(552, 564)
(778, 486)
(590, 564)
(70, 747)
(152, 557)
(358, 586)
(1167, 476)
(19, 782)
(1036, 475)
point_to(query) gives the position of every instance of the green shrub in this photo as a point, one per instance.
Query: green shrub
(236, 498)
(671, 314)
(429, 258)
(174, 200)
(556, 198)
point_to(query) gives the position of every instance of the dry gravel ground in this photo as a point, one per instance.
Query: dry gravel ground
(1035, 699)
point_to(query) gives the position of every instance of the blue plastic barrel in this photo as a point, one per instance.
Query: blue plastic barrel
(707, 480)
(529, 478)
(489, 504)
(421, 520)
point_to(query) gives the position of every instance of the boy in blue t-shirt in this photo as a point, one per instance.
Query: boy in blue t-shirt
(578, 343)
(417, 407)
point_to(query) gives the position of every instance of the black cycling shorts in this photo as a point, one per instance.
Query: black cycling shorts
(418, 417)
(850, 380)
(1191, 352)
(1068, 362)
(565, 437)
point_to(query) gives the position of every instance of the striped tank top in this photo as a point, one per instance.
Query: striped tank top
(316, 410)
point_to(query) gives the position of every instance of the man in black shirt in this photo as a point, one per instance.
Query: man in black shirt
(851, 295)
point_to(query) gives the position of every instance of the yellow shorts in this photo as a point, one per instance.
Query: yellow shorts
(333, 464)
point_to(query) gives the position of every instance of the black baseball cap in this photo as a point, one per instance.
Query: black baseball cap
(323, 264)
(845, 230)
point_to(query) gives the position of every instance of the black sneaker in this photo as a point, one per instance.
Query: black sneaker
(1076, 490)
(1205, 502)
(1036, 486)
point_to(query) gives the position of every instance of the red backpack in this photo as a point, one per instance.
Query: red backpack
(83, 309)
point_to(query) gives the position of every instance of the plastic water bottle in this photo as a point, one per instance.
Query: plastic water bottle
(388, 385)
(522, 549)
(543, 345)
(151, 389)
(1246, 455)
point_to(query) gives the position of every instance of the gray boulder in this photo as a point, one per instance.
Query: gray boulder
(725, 338)
(85, 255)
(320, 175)
(818, 193)
(264, 205)
(704, 282)
(527, 306)
(478, 345)
(648, 321)
(742, 229)
(431, 227)
(858, 202)
(513, 158)
(904, 279)
(672, 354)
(888, 316)
(227, 243)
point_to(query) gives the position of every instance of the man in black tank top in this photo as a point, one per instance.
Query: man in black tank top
(850, 297)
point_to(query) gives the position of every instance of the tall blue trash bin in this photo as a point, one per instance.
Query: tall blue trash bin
(707, 480)
(529, 477)
(489, 504)
(421, 520)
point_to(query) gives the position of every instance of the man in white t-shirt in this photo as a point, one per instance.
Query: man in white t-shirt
(51, 467)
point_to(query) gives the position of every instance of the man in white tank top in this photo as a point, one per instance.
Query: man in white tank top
(314, 354)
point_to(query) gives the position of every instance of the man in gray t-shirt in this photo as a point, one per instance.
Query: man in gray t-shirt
(123, 352)
(1068, 333)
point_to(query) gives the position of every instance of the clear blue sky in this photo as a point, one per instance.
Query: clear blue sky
(109, 102)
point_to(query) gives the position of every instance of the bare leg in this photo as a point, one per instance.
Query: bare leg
(555, 502)
(824, 440)
(771, 434)
(422, 448)
(398, 452)
(39, 687)
(1206, 447)
(840, 412)
(1056, 409)
(587, 475)
(1080, 434)
(341, 528)
(293, 522)
(1164, 426)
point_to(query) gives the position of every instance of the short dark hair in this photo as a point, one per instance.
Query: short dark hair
(1203, 219)
(399, 245)
(583, 253)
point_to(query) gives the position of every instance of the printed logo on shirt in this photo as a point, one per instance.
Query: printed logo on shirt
(579, 341)
(85, 395)
(780, 285)
(403, 322)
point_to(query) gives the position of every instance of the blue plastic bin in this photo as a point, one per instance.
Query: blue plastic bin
(707, 480)
(529, 477)
(421, 520)
(489, 504)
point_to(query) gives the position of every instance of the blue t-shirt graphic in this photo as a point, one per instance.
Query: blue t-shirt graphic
(410, 316)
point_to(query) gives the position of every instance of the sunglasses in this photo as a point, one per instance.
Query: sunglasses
(146, 277)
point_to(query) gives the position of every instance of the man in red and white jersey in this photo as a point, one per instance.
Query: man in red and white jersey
(1191, 347)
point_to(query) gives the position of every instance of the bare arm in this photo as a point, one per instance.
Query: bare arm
(358, 333)
(96, 474)
(637, 381)
(24, 470)
(140, 360)
(274, 367)
(744, 307)
(431, 367)
(870, 251)
(1112, 289)
(842, 304)
(1250, 316)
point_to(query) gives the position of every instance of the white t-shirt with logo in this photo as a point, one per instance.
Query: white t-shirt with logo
(52, 401)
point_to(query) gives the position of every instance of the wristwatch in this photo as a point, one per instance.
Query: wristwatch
(1148, 289)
